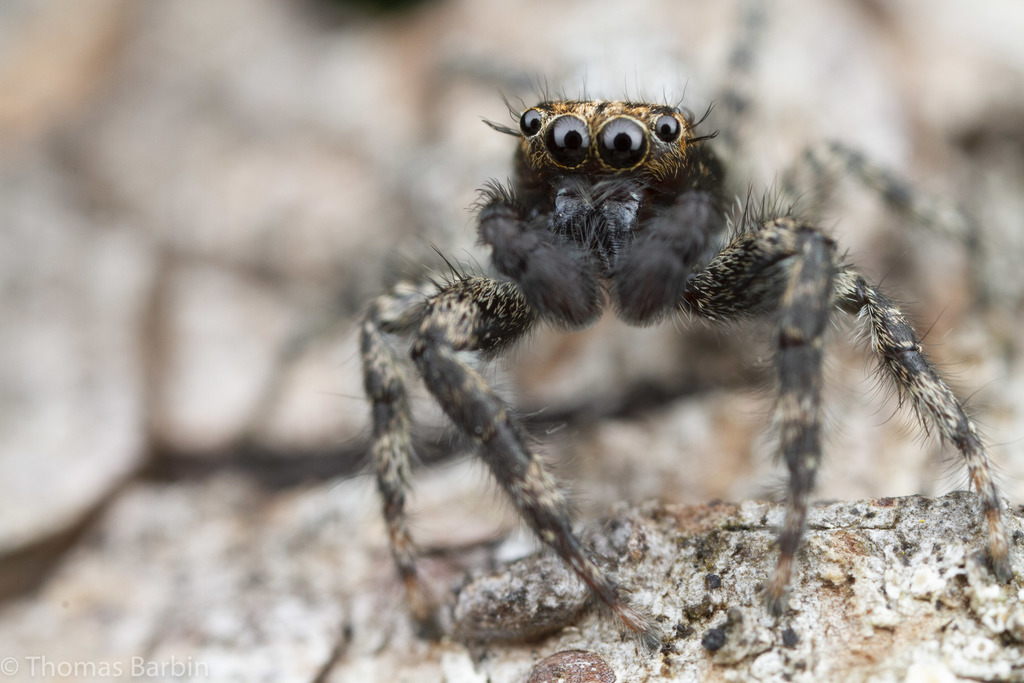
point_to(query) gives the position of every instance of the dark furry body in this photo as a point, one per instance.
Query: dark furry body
(651, 240)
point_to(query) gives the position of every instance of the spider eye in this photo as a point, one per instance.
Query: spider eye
(667, 128)
(623, 143)
(568, 140)
(530, 122)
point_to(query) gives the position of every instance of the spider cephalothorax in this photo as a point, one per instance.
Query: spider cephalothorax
(605, 186)
(623, 202)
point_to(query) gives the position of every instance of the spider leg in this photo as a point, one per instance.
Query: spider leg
(903, 361)
(791, 269)
(479, 314)
(803, 316)
(811, 180)
(391, 442)
(787, 268)
(734, 103)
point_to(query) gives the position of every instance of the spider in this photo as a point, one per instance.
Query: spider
(622, 204)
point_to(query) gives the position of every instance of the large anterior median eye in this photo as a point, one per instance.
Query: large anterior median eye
(568, 140)
(623, 143)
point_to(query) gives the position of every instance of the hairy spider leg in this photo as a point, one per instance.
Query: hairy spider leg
(473, 314)
(904, 363)
(790, 269)
(391, 446)
(478, 313)
(828, 161)
(812, 179)
(735, 102)
(786, 268)
(803, 316)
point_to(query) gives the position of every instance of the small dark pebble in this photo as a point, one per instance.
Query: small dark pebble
(712, 581)
(572, 666)
(790, 638)
(714, 639)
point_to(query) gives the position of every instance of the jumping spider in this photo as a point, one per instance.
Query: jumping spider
(622, 203)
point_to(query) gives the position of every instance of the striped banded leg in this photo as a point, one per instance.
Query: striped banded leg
(734, 103)
(477, 314)
(803, 316)
(783, 268)
(904, 363)
(391, 441)
(832, 160)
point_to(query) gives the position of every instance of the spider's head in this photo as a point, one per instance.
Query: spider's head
(600, 137)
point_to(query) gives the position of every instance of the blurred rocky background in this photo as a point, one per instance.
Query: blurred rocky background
(198, 198)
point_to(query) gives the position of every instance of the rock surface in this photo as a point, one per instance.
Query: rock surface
(888, 589)
(230, 583)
